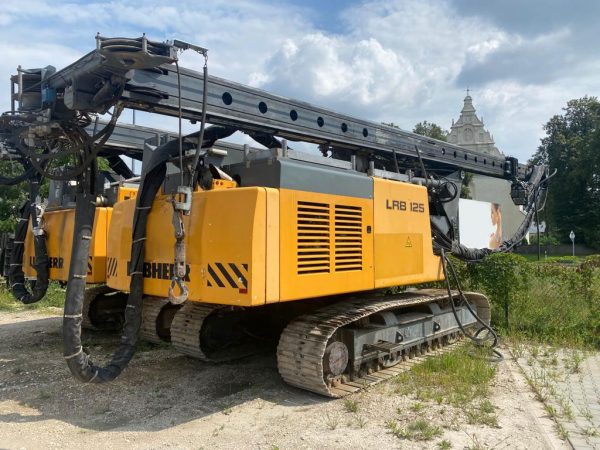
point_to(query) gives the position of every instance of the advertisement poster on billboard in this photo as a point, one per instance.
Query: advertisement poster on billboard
(479, 224)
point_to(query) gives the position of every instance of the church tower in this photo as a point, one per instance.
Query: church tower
(469, 132)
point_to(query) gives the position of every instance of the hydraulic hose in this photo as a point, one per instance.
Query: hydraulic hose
(16, 277)
(80, 362)
(484, 326)
(538, 183)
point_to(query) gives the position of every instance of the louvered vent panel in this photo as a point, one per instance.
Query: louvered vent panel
(314, 246)
(348, 238)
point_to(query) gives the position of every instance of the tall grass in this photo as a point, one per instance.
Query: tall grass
(551, 302)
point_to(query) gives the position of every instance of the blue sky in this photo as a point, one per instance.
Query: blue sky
(400, 61)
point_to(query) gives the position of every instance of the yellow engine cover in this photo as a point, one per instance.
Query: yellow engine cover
(254, 245)
(226, 246)
(403, 249)
(58, 226)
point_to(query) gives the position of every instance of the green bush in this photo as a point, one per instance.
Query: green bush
(555, 302)
(562, 259)
(545, 239)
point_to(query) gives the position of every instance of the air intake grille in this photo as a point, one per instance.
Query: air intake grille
(329, 238)
(348, 238)
(314, 242)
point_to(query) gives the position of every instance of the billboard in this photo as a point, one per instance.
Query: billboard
(479, 224)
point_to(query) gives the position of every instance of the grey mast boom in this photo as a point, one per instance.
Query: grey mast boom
(252, 109)
(130, 140)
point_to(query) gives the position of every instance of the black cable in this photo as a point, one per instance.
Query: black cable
(16, 277)
(87, 147)
(396, 161)
(180, 116)
(422, 166)
(202, 121)
(480, 342)
(467, 254)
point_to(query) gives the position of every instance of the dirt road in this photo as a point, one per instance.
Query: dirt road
(164, 400)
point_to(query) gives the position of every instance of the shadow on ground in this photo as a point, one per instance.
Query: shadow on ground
(159, 389)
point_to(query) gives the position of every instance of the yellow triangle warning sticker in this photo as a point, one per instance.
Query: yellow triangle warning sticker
(408, 242)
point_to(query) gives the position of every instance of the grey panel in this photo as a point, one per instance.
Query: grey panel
(303, 176)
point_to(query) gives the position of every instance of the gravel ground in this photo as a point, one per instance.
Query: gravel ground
(164, 400)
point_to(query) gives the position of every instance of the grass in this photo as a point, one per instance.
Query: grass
(563, 433)
(350, 405)
(552, 311)
(332, 421)
(419, 430)
(587, 414)
(475, 444)
(482, 414)
(417, 407)
(218, 430)
(444, 445)
(565, 259)
(551, 411)
(54, 298)
(574, 362)
(553, 302)
(456, 378)
(360, 421)
(460, 379)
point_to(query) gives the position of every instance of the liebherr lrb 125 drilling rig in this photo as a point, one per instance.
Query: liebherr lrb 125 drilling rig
(281, 242)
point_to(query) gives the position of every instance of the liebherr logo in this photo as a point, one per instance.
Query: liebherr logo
(160, 271)
(53, 262)
(58, 262)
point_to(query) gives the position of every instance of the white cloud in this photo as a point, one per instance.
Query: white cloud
(396, 61)
(240, 35)
(337, 72)
(401, 61)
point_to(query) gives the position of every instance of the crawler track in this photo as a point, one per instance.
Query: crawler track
(88, 298)
(157, 317)
(219, 333)
(103, 308)
(186, 329)
(303, 343)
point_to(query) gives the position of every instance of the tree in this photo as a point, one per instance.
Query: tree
(431, 130)
(572, 146)
(465, 190)
(11, 197)
(434, 131)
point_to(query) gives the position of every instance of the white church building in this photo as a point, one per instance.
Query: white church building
(469, 132)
